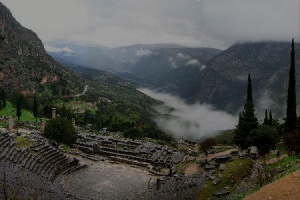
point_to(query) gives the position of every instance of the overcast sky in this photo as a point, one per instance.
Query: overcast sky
(204, 23)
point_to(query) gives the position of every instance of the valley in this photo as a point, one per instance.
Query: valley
(177, 113)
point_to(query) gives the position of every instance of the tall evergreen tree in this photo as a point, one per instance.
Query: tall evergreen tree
(35, 108)
(19, 101)
(3, 98)
(291, 115)
(249, 90)
(266, 119)
(247, 119)
(270, 118)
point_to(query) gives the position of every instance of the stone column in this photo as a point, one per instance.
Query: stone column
(10, 124)
(53, 113)
(42, 126)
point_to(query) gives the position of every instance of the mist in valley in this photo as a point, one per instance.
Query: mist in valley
(189, 121)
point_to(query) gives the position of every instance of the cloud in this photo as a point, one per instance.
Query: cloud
(143, 52)
(182, 56)
(58, 50)
(189, 121)
(266, 101)
(202, 67)
(189, 22)
(172, 62)
(52, 20)
(242, 78)
(193, 62)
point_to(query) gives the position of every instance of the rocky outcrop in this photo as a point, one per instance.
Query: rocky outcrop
(24, 62)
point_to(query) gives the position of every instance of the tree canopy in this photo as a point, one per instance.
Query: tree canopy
(60, 130)
(264, 138)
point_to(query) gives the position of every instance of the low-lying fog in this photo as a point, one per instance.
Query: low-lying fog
(189, 121)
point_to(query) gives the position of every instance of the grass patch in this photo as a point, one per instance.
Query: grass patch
(246, 193)
(281, 148)
(181, 167)
(64, 147)
(22, 142)
(78, 105)
(10, 110)
(234, 172)
(120, 147)
(286, 165)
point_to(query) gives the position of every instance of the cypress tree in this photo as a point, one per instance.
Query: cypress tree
(266, 120)
(249, 90)
(291, 115)
(247, 119)
(270, 118)
(3, 99)
(35, 108)
(19, 112)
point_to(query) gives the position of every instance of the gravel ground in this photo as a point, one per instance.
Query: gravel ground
(105, 180)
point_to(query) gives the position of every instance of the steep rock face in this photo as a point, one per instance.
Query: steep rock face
(260, 59)
(24, 63)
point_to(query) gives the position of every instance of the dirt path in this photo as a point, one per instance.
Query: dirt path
(211, 156)
(193, 168)
(284, 188)
(84, 91)
(275, 159)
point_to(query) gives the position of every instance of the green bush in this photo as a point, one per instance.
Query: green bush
(264, 138)
(61, 130)
(292, 142)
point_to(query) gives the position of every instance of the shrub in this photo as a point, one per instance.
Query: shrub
(264, 138)
(207, 143)
(292, 142)
(61, 130)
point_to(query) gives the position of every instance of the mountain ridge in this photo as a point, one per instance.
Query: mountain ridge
(25, 66)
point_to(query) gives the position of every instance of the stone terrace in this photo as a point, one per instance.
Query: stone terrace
(153, 156)
(37, 165)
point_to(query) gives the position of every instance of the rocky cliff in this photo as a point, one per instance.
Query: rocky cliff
(24, 64)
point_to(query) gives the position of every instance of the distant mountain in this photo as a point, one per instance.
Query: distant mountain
(95, 75)
(103, 58)
(209, 75)
(82, 54)
(267, 62)
(24, 64)
(164, 67)
(220, 78)
(260, 59)
(127, 56)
